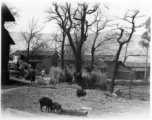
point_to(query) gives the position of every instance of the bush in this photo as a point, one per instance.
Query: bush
(57, 75)
(94, 80)
(69, 74)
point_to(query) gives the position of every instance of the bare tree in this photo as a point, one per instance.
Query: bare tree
(33, 38)
(60, 38)
(76, 24)
(98, 44)
(128, 54)
(123, 38)
(61, 17)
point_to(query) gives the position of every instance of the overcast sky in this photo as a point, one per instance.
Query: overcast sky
(36, 8)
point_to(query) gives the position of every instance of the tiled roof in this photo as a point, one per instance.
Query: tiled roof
(35, 53)
(101, 57)
(133, 64)
(97, 57)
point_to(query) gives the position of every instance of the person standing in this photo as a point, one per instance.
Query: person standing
(33, 75)
(43, 72)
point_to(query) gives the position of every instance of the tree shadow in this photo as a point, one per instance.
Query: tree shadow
(73, 112)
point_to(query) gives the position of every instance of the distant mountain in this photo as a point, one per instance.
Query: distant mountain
(133, 46)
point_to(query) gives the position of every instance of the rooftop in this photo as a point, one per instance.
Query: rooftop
(133, 64)
(97, 57)
(35, 53)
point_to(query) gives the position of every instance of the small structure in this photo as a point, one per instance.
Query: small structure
(124, 73)
(39, 59)
(6, 41)
(139, 70)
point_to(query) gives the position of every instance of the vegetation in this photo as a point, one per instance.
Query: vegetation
(145, 42)
(123, 37)
(57, 75)
(75, 26)
(75, 19)
(33, 38)
(94, 80)
(98, 44)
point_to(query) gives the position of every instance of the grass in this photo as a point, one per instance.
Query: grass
(26, 99)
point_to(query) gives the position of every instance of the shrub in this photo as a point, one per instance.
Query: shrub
(68, 77)
(69, 74)
(57, 75)
(71, 71)
(53, 81)
(94, 80)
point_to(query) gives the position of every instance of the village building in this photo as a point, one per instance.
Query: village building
(6, 41)
(124, 73)
(106, 63)
(39, 59)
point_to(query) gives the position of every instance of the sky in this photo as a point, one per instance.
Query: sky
(29, 9)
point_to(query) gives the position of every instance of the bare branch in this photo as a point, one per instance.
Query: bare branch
(32, 37)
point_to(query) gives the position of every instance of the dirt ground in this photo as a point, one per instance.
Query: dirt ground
(25, 99)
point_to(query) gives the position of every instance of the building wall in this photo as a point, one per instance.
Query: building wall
(47, 62)
(123, 75)
(110, 69)
(148, 74)
(38, 68)
(55, 58)
(5, 58)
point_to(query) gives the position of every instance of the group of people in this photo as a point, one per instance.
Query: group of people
(33, 74)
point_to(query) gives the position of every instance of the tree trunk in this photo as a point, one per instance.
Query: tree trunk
(62, 57)
(93, 50)
(78, 61)
(130, 85)
(28, 53)
(62, 51)
(115, 68)
(145, 76)
(92, 59)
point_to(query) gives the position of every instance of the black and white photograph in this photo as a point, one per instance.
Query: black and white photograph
(75, 59)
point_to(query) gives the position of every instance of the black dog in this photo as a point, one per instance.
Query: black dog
(56, 107)
(81, 92)
(44, 101)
